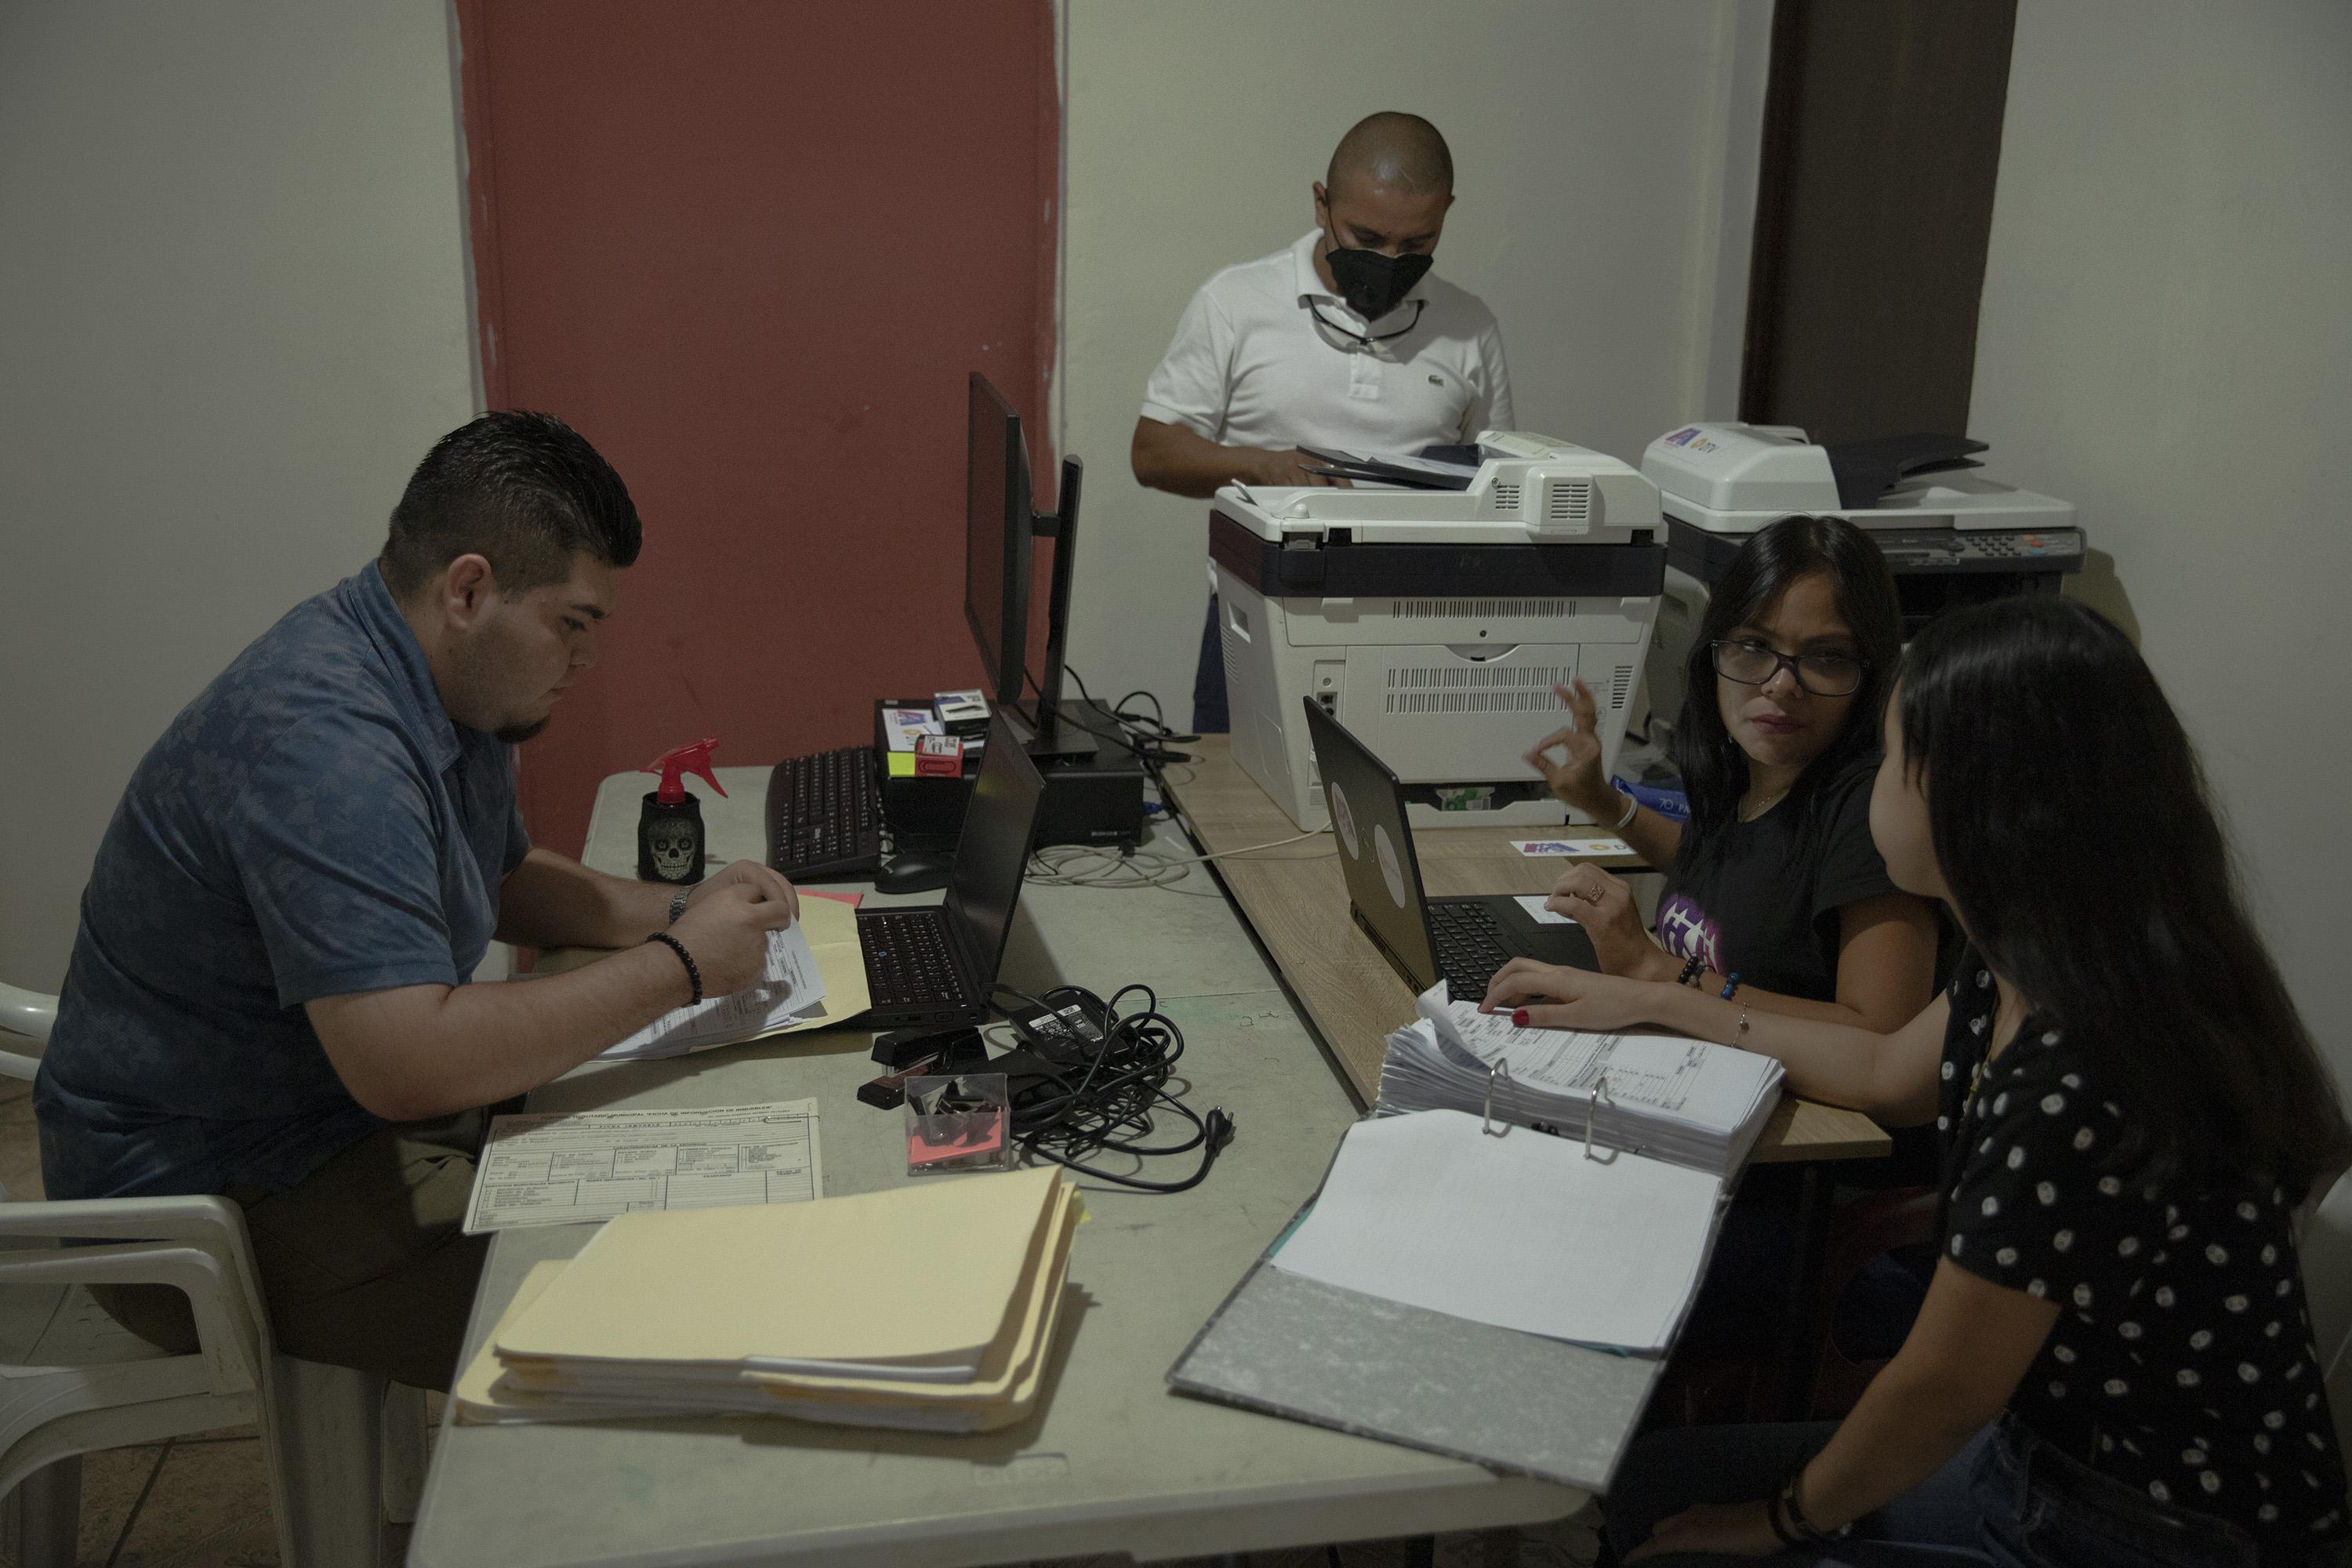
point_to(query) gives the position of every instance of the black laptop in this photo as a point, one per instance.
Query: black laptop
(1464, 940)
(937, 964)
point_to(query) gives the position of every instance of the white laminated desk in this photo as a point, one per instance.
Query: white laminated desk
(1113, 1461)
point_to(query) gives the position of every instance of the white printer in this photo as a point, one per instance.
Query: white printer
(1433, 622)
(1951, 536)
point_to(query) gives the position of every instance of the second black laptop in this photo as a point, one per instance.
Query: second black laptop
(1464, 940)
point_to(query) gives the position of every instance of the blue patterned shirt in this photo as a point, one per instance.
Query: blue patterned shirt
(312, 825)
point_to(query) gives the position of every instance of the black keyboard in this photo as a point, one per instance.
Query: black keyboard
(824, 815)
(1469, 948)
(907, 959)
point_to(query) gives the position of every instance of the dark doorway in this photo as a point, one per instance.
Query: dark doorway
(1882, 141)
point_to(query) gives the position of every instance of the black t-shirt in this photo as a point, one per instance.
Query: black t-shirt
(2181, 1361)
(1762, 901)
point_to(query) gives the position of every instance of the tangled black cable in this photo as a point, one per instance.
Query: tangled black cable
(1109, 1101)
(1149, 736)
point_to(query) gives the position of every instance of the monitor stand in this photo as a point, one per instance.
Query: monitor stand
(1072, 744)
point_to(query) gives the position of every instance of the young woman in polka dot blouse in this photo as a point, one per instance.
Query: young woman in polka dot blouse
(2115, 1362)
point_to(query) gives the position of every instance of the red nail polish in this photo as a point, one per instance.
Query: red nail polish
(1519, 1017)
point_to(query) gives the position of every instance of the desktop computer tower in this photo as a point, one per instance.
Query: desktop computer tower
(1093, 787)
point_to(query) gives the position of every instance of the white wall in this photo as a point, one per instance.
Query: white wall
(233, 316)
(2166, 340)
(1595, 146)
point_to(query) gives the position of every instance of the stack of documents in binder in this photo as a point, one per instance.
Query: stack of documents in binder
(1697, 1104)
(930, 1307)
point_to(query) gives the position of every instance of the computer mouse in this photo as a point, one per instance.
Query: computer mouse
(913, 873)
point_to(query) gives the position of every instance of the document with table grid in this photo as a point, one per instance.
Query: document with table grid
(563, 1168)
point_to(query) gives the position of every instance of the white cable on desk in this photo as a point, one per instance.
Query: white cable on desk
(1088, 866)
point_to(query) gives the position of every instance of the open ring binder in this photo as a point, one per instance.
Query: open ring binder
(1501, 1069)
(1600, 1097)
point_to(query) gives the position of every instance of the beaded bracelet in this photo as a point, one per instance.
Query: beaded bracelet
(693, 975)
(1692, 967)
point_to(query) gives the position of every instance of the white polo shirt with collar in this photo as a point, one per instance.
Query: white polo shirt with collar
(1252, 364)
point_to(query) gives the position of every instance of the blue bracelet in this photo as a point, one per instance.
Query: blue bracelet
(1730, 985)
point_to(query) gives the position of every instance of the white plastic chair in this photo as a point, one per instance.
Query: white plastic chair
(341, 1452)
(28, 1014)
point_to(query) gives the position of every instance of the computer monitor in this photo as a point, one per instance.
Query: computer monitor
(1000, 521)
(997, 530)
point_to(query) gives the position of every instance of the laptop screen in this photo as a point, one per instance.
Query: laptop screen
(993, 851)
(1366, 806)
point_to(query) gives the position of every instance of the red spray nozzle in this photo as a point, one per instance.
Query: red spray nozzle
(692, 758)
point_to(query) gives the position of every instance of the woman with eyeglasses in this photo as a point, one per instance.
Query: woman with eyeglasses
(1774, 884)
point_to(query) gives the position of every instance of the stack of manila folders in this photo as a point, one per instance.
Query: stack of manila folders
(931, 1308)
(1499, 1182)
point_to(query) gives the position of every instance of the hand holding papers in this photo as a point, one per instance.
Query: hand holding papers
(790, 986)
(1686, 1101)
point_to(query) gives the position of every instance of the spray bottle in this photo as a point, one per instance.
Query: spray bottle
(670, 828)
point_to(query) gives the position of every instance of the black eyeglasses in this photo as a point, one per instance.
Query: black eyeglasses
(1821, 674)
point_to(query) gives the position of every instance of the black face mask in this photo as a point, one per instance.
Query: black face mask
(1374, 284)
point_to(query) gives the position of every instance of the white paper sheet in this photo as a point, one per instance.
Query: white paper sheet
(1523, 1231)
(1534, 904)
(790, 989)
(563, 1168)
(1657, 1072)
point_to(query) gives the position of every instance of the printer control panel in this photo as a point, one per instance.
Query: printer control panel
(1948, 548)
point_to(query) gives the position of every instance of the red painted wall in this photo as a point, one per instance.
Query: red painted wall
(751, 250)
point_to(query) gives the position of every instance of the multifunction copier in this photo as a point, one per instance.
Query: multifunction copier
(1951, 536)
(1434, 623)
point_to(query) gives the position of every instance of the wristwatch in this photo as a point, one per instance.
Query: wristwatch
(676, 905)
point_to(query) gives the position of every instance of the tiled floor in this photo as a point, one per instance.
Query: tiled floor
(203, 1502)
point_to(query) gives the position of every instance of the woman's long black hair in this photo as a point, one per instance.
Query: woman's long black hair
(2070, 819)
(1714, 768)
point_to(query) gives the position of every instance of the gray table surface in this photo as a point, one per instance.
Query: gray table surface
(1112, 1460)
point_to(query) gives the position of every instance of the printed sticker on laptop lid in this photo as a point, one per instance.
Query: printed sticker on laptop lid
(1343, 821)
(1392, 868)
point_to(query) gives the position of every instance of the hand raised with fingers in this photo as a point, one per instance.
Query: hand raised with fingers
(1576, 777)
(1603, 905)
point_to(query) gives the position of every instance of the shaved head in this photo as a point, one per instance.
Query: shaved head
(1403, 151)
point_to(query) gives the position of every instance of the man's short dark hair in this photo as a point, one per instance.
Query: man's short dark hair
(525, 491)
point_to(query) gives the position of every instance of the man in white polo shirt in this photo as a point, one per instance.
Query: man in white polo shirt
(1341, 339)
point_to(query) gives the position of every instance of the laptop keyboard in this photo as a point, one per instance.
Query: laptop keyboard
(908, 964)
(1469, 947)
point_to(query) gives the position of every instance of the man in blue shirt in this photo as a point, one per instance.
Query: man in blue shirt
(267, 995)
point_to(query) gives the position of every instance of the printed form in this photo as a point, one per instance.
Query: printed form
(1654, 1071)
(564, 1168)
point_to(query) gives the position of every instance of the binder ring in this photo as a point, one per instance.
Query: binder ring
(1600, 1097)
(1501, 1069)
